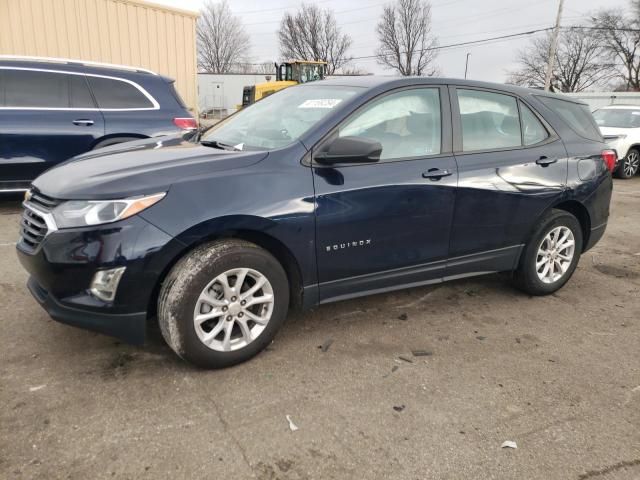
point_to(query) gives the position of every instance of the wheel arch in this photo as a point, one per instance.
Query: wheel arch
(268, 242)
(635, 146)
(579, 211)
(573, 207)
(111, 136)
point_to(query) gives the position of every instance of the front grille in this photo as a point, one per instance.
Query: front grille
(43, 202)
(33, 226)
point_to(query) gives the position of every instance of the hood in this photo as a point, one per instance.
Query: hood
(138, 168)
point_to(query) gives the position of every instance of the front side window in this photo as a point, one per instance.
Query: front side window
(47, 90)
(489, 120)
(407, 123)
(111, 93)
(279, 119)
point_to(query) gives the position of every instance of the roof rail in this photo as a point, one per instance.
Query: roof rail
(77, 62)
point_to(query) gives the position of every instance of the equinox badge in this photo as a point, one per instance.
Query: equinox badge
(347, 245)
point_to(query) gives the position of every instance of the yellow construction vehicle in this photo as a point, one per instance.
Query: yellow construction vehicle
(287, 75)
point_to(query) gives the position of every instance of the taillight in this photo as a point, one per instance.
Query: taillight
(609, 157)
(185, 123)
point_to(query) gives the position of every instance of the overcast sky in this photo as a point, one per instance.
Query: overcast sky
(454, 21)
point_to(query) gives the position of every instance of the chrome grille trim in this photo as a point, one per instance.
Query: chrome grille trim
(37, 222)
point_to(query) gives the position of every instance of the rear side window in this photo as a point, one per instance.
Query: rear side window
(489, 120)
(111, 93)
(532, 129)
(576, 115)
(34, 89)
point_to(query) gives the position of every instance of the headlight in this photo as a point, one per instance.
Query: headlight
(80, 213)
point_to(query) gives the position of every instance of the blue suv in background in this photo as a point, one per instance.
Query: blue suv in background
(54, 109)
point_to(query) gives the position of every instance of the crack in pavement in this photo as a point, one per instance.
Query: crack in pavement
(609, 469)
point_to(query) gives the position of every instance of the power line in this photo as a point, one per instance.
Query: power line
(492, 39)
(454, 45)
(299, 4)
(276, 9)
(609, 29)
(481, 16)
(470, 42)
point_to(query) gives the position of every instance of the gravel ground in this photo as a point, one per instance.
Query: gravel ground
(558, 375)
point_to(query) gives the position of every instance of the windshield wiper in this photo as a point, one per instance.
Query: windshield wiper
(219, 145)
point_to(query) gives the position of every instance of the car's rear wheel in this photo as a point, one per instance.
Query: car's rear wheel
(223, 303)
(552, 254)
(629, 164)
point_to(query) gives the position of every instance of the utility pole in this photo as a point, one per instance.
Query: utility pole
(552, 48)
(466, 66)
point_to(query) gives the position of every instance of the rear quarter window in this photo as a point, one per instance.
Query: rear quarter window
(576, 115)
(113, 93)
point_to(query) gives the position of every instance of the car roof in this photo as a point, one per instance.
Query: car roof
(373, 81)
(73, 65)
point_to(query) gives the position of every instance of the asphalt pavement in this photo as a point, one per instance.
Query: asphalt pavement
(559, 376)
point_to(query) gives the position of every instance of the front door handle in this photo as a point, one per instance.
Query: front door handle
(83, 121)
(436, 173)
(544, 161)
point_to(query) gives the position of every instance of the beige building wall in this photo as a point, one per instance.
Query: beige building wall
(127, 32)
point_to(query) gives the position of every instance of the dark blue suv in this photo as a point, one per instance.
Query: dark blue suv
(318, 193)
(54, 109)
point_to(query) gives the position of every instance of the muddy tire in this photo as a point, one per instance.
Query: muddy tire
(551, 256)
(223, 303)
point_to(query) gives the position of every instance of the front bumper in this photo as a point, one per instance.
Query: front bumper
(62, 266)
(130, 327)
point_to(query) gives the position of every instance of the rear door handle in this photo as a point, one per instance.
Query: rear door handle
(436, 173)
(544, 161)
(83, 121)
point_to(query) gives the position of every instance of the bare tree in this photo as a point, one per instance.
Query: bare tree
(221, 38)
(407, 44)
(621, 36)
(579, 62)
(313, 34)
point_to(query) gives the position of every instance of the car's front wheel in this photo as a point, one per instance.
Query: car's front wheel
(223, 303)
(552, 254)
(629, 165)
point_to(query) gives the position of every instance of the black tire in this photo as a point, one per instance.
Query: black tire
(628, 166)
(187, 280)
(526, 277)
(113, 141)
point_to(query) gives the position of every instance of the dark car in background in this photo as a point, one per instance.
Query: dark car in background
(54, 109)
(318, 193)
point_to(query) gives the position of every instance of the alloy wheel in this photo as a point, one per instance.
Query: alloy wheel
(555, 254)
(631, 163)
(233, 309)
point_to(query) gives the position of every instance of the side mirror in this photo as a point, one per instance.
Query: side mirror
(349, 150)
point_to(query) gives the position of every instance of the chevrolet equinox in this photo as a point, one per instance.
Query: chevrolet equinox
(318, 193)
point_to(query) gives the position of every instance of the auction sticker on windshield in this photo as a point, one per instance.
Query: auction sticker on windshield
(320, 103)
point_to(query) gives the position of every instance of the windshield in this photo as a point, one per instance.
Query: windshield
(617, 118)
(279, 119)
